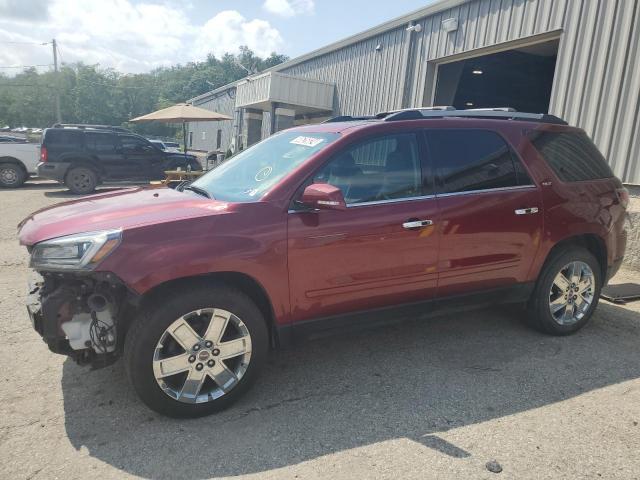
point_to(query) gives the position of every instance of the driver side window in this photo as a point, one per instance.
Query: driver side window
(134, 144)
(382, 168)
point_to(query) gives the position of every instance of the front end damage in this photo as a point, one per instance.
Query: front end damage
(81, 315)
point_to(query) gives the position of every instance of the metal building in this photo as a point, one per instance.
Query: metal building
(578, 59)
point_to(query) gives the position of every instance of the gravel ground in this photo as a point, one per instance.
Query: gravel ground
(424, 399)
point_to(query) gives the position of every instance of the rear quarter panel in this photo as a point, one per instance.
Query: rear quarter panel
(574, 208)
(26, 153)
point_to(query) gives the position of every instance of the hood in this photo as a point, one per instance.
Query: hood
(124, 209)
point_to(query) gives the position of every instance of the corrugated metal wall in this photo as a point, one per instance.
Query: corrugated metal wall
(223, 102)
(366, 80)
(597, 81)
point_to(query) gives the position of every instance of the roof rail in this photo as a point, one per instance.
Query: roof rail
(445, 108)
(349, 118)
(503, 113)
(84, 126)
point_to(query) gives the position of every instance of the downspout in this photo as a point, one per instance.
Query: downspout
(408, 63)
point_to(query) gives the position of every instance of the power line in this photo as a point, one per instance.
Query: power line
(110, 86)
(59, 52)
(23, 85)
(26, 66)
(26, 43)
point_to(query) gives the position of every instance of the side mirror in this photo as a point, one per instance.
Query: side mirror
(324, 197)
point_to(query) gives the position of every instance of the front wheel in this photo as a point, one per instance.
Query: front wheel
(567, 292)
(196, 353)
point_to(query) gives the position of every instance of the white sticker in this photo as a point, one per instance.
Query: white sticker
(263, 173)
(307, 141)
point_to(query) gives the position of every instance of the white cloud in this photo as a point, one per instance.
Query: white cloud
(229, 29)
(132, 37)
(289, 8)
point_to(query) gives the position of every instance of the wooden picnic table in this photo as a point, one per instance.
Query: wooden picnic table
(181, 175)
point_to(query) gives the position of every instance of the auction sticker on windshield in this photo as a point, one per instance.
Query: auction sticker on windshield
(307, 141)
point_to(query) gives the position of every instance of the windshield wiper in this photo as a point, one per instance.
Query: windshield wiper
(198, 190)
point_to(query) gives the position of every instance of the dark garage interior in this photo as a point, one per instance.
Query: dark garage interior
(520, 78)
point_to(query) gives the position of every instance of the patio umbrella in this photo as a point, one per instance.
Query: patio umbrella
(182, 113)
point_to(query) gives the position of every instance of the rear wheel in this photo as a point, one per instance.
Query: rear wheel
(11, 175)
(196, 353)
(81, 180)
(567, 292)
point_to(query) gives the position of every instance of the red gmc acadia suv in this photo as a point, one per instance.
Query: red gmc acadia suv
(344, 223)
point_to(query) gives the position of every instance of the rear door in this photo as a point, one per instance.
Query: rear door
(63, 144)
(490, 211)
(369, 255)
(104, 149)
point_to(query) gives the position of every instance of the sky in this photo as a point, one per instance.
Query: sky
(135, 36)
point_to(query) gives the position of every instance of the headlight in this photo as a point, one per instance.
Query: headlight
(74, 252)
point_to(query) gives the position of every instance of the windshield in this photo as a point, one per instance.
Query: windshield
(247, 176)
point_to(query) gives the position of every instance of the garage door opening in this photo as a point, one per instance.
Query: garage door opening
(520, 78)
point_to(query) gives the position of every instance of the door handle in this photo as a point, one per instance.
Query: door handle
(415, 224)
(526, 211)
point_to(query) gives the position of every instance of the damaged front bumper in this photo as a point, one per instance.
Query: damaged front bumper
(80, 315)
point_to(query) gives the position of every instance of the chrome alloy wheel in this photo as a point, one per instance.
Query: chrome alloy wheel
(202, 355)
(572, 293)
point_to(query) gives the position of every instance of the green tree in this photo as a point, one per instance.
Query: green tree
(96, 95)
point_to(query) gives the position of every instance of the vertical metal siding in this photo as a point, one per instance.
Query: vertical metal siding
(223, 103)
(353, 70)
(597, 82)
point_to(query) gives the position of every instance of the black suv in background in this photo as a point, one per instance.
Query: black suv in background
(82, 156)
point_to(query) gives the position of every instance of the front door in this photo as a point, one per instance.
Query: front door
(374, 253)
(490, 211)
(139, 156)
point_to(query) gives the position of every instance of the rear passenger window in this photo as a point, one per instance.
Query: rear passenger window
(68, 139)
(571, 155)
(470, 160)
(100, 142)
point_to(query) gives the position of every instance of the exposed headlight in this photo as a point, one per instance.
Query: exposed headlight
(74, 252)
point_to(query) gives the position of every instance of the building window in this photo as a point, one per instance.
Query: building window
(219, 139)
(204, 135)
(190, 139)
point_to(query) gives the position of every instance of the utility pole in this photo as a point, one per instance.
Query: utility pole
(57, 79)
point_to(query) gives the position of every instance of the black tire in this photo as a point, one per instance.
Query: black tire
(151, 324)
(11, 175)
(81, 180)
(539, 313)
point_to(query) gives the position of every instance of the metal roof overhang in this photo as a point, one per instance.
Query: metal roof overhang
(302, 94)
